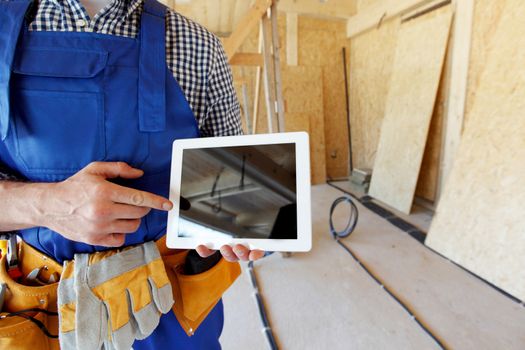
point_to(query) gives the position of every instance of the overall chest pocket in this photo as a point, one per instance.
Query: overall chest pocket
(59, 112)
(58, 109)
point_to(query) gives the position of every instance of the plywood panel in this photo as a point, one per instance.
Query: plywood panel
(429, 175)
(410, 103)
(335, 128)
(371, 57)
(304, 112)
(487, 15)
(480, 222)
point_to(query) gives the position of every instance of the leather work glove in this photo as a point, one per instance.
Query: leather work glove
(109, 299)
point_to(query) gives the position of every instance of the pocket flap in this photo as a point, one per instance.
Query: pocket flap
(51, 62)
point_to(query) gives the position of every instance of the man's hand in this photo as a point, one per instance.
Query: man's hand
(88, 208)
(238, 252)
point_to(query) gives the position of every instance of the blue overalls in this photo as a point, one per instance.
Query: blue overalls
(70, 98)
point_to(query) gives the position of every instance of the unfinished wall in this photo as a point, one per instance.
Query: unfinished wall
(314, 92)
(320, 47)
(410, 103)
(371, 63)
(480, 222)
(371, 58)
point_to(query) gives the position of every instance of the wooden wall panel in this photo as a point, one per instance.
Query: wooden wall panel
(370, 70)
(410, 103)
(480, 221)
(428, 182)
(304, 112)
(370, 67)
(320, 44)
(487, 15)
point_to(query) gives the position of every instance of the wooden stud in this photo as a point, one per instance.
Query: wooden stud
(291, 39)
(269, 75)
(258, 77)
(453, 124)
(277, 67)
(246, 108)
(379, 11)
(247, 59)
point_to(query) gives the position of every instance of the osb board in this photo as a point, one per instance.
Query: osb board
(487, 15)
(304, 112)
(320, 44)
(480, 221)
(370, 66)
(370, 70)
(335, 124)
(410, 103)
(427, 185)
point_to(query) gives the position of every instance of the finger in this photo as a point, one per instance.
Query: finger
(126, 195)
(125, 226)
(111, 240)
(184, 203)
(125, 211)
(111, 170)
(204, 251)
(256, 255)
(228, 253)
(242, 252)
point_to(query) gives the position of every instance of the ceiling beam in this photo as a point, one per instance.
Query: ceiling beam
(258, 168)
(380, 11)
(224, 192)
(343, 9)
(245, 27)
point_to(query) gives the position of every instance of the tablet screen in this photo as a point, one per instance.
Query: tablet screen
(239, 192)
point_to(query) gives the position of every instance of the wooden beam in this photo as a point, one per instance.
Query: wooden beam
(269, 75)
(276, 46)
(258, 78)
(453, 124)
(245, 27)
(342, 9)
(247, 59)
(225, 192)
(246, 108)
(291, 39)
(379, 11)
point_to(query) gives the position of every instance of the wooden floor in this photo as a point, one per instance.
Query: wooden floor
(324, 300)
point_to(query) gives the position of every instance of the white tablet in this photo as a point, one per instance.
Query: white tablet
(252, 190)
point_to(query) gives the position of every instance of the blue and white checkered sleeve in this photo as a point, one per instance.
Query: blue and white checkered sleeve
(223, 113)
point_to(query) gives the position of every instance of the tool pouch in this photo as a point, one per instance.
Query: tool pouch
(196, 295)
(28, 319)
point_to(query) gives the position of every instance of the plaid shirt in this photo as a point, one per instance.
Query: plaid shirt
(191, 50)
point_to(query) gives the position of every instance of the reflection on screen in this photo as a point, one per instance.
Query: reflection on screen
(239, 192)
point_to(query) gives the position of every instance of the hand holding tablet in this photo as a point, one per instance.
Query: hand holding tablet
(251, 190)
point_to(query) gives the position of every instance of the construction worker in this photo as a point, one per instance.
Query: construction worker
(92, 96)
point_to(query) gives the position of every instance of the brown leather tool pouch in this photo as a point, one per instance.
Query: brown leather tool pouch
(196, 295)
(28, 319)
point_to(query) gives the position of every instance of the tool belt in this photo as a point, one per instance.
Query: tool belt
(29, 319)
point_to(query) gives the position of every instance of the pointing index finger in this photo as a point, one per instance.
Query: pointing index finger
(126, 195)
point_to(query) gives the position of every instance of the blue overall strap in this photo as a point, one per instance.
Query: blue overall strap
(152, 68)
(11, 20)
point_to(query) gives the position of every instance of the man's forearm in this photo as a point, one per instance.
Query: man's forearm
(21, 204)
